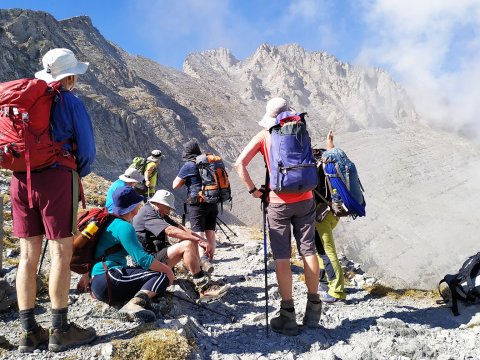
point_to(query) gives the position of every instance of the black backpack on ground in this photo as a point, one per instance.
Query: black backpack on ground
(464, 286)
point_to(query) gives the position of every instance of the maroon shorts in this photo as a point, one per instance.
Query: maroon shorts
(52, 212)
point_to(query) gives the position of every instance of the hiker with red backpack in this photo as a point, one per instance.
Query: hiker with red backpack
(154, 228)
(45, 185)
(291, 177)
(203, 215)
(112, 279)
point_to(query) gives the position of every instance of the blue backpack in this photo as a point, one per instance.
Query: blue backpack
(341, 175)
(292, 166)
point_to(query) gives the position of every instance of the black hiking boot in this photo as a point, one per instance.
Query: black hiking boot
(285, 323)
(73, 336)
(31, 340)
(312, 315)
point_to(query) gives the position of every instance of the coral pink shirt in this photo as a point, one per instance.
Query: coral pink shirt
(263, 141)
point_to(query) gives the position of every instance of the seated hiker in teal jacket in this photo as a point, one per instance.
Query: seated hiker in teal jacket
(139, 284)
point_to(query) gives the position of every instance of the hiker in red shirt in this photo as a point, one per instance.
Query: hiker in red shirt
(285, 210)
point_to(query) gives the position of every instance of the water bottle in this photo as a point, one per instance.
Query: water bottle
(336, 196)
(87, 233)
(338, 206)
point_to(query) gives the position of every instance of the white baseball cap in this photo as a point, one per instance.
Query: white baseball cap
(59, 63)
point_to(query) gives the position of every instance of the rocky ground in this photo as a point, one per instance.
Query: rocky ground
(366, 326)
(374, 323)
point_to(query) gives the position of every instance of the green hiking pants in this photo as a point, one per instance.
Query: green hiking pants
(327, 254)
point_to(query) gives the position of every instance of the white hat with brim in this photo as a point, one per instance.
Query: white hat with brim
(163, 197)
(274, 107)
(131, 175)
(60, 63)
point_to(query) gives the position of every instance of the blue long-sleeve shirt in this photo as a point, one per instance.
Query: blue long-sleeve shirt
(70, 121)
(120, 232)
(109, 199)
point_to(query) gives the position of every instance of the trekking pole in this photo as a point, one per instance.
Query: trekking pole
(264, 211)
(232, 318)
(43, 256)
(220, 227)
(223, 223)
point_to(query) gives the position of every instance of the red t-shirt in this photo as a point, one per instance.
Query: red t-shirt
(263, 141)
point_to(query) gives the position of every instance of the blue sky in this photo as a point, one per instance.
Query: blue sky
(432, 47)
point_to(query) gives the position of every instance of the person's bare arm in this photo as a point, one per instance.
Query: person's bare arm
(252, 148)
(185, 234)
(330, 140)
(178, 183)
(161, 267)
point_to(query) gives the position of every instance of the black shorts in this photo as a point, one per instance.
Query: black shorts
(203, 217)
(162, 256)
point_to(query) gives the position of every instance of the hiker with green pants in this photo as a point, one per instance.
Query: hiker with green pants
(333, 289)
(332, 282)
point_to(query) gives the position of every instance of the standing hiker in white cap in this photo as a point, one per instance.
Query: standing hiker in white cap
(151, 172)
(54, 200)
(286, 212)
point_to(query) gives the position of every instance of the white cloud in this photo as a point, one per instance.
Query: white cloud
(433, 47)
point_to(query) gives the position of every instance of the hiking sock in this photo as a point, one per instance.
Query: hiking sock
(27, 319)
(314, 298)
(287, 305)
(199, 275)
(60, 319)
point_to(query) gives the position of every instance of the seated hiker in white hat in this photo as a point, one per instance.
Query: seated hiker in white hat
(130, 178)
(153, 225)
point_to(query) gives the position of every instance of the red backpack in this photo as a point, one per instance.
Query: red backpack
(91, 225)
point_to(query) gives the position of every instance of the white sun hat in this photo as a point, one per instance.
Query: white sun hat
(274, 107)
(164, 197)
(59, 63)
(131, 175)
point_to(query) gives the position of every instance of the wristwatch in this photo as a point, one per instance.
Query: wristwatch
(253, 190)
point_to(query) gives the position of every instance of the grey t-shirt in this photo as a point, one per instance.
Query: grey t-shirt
(150, 228)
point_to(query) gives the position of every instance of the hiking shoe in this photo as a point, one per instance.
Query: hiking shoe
(136, 310)
(73, 336)
(312, 314)
(31, 340)
(329, 299)
(323, 286)
(285, 323)
(213, 291)
(206, 266)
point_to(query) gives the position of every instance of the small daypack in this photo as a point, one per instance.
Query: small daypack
(215, 183)
(90, 226)
(139, 163)
(26, 142)
(292, 166)
(339, 184)
(464, 286)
